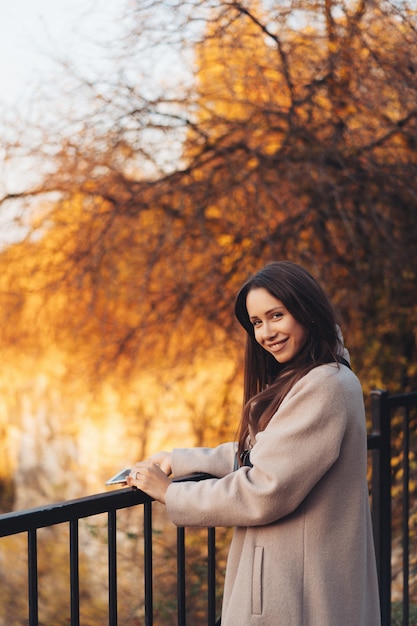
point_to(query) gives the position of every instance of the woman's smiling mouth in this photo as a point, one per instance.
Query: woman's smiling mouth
(277, 344)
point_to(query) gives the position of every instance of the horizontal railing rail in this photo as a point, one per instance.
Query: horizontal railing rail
(60, 512)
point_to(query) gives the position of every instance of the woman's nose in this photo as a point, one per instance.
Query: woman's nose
(268, 330)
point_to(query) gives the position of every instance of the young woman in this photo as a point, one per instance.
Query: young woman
(302, 552)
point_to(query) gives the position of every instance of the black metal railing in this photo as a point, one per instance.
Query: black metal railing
(72, 511)
(380, 441)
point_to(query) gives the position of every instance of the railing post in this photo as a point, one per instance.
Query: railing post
(33, 577)
(406, 517)
(181, 606)
(74, 574)
(381, 499)
(112, 564)
(211, 573)
(147, 532)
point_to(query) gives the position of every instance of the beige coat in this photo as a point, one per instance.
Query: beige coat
(302, 552)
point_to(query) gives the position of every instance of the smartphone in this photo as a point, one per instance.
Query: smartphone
(119, 478)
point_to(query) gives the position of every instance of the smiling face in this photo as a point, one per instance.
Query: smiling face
(276, 330)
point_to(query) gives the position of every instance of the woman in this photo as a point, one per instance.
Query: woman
(302, 551)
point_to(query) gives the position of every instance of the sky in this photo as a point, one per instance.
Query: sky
(34, 36)
(34, 32)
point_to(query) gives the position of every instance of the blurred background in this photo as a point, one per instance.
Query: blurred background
(155, 154)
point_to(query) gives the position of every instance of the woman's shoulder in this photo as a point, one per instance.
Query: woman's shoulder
(326, 389)
(325, 392)
(328, 377)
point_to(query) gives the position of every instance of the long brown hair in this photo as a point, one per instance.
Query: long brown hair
(266, 381)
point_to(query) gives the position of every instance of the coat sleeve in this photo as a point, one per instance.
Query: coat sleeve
(299, 445)
(216, 461)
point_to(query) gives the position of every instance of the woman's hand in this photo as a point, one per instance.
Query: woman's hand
(163, 459)
(150, 478)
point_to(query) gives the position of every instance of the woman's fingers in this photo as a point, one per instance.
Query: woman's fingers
(150, 478)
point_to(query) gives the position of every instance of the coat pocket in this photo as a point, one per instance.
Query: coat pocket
(257, 580)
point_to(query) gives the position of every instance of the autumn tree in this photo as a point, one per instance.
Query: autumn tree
(297, 141)
(294, 139)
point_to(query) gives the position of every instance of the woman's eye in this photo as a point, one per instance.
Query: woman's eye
(277, 315)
